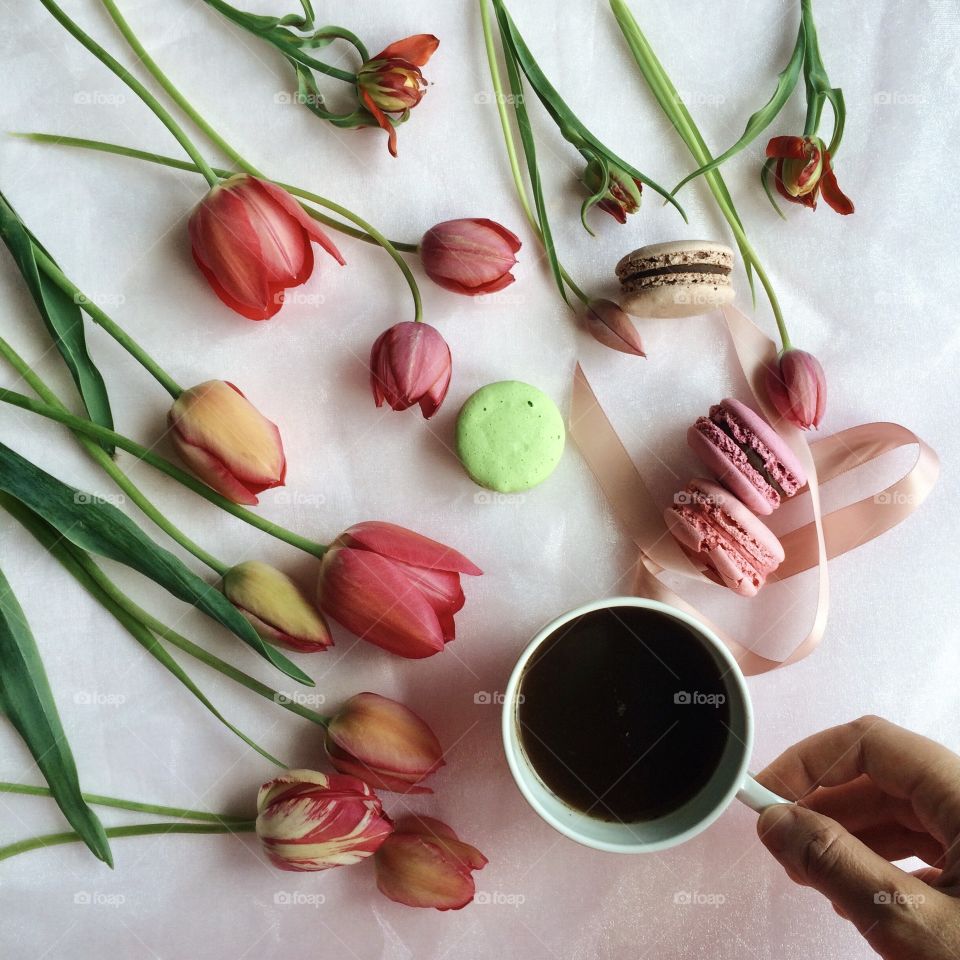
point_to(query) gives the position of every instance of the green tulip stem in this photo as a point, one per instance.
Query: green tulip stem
(218, 141)
(135, 85)
(52, 409)
(136, 830)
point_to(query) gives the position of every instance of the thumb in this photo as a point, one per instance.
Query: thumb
(877, 897)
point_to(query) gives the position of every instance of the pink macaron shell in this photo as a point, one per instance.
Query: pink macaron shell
(730, 465)
(769, 438)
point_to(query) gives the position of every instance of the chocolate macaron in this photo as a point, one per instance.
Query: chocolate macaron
(682, 278)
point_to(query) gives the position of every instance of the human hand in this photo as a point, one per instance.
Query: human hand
(869, 792)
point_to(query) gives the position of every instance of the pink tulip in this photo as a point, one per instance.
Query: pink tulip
(469, 256)
(315, 821)
(609, 325)
(227, 442)
(797, 387)
(393, 587)
(382, 742)
(252, 241)
(410, 363)
(424, 864)
(273, 603)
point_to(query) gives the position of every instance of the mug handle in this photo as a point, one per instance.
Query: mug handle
(756, 796)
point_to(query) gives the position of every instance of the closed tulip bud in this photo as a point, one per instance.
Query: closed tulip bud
(391, 82)
(382, 742)
(469, 256)
(424, 864)
(273, 603)
(609, 325)
(394, 588)
(622, 194)
(797, 387)
(252, 241)
(227, 442)
(410, 363)
(314, 821)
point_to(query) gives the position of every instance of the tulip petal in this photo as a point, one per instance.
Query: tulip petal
(441, 833)
(417, 49)
(469, 256)
(374, 599)
(383, 121)
(380, 779)
(290, 206)
(414, 549)
(835, 197)
(213, 473)
(416, 872)
(787, 148)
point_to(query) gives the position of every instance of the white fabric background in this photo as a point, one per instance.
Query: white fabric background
(868, 294)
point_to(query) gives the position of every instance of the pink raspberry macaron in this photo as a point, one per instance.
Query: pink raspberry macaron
(747, 456)
(716, 529)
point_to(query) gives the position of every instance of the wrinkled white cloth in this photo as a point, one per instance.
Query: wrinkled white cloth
(869, 295)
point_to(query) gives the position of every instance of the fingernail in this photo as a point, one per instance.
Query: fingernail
(775, 826)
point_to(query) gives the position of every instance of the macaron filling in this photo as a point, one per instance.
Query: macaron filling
(684, 270)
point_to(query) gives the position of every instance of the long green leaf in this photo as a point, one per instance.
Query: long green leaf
(61, 316)
(100, 528)
(786, 83)
(81, 566)
(26, 698)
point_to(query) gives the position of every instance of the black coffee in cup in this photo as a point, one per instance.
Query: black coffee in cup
(622, 714)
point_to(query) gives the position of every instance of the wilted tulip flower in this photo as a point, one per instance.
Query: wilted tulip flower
(609, 325)
(252, 241)
(410, 363)
(469, 256)
(273, 603)
(797, 387)
(394, 587)
(622, 194)
(391, 82)
(384, 743)
(804, 170)
(227, 442)
(424, 864)
(314, 821)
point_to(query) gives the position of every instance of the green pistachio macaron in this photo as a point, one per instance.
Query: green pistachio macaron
(510, 436)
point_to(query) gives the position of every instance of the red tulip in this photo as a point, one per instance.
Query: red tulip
(392, 82)
(273, 603)
(609, 325)
(797, 387)
(804, 170)
(382, 742)
(394, 587)
(469, 256)
(424, 864)
(315, 821)
(622, 194)
(251, 240)
(227, 442)
(410, 363)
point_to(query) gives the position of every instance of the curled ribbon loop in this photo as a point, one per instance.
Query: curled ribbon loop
(807, 546)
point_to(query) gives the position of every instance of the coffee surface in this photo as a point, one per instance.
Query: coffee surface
(623, 714)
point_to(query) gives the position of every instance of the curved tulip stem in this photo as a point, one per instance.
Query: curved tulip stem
(181, 813)
(53, 404)
(101, 319)
(218, 141)
(512, 156)
(135, 85)
(135, 830)
(52, 409)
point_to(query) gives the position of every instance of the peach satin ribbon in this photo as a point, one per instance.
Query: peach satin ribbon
(809, 545)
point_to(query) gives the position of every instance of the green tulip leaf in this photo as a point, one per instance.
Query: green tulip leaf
(27, 700)
(100, 528)
(61, 315)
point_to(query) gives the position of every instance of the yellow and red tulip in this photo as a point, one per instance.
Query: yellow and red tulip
(803, 172)
(315, 821)
(384, 743)
(227, 442)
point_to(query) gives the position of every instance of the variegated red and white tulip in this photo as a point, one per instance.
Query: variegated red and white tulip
(384, 743)
(227, 442)
(394, 587)
(423, 863)
(315, 821)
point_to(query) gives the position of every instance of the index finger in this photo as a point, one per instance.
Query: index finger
(901, 763)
